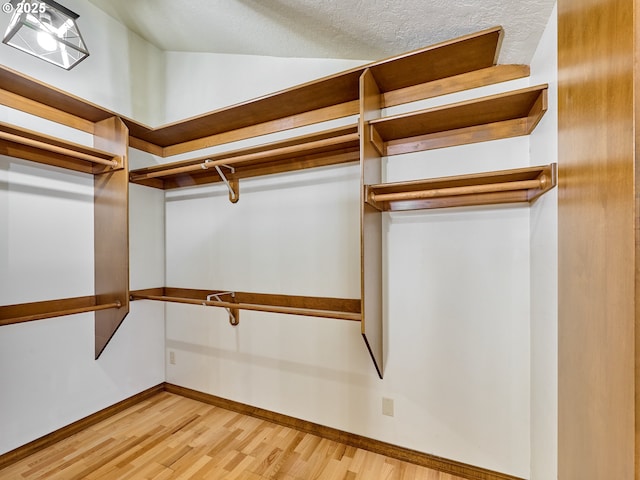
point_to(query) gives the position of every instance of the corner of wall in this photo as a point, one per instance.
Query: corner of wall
(544, 272)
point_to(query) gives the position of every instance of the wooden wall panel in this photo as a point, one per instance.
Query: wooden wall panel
(371, 225)
(636, 133)
(111, 231)
(596, 218)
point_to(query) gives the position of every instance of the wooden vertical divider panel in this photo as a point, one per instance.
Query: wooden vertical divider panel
(598, 334)
(111, 231)
(370, 224)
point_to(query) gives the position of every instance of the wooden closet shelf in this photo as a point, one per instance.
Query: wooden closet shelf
(28, 312)
(317, 100)
(340, 145)
(498, 116)
(330, 97)
(324, 307)
(506, 186)
(28, 145)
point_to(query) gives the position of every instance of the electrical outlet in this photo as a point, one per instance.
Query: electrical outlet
(387, 406)
(172, 357)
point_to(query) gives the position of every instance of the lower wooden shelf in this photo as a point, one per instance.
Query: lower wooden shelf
(325, 307)
(28, 312)
(505, 186)
(330, 147)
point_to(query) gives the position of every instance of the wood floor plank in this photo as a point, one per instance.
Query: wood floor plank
(170, 437)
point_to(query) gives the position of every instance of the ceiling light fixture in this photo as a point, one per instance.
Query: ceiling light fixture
(48, 30)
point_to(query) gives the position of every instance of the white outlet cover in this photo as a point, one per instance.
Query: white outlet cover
(387, 406)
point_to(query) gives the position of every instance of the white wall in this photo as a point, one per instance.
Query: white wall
(544, 274)
(146, 231)
(457, 301)
(48, 373)
(201, 82)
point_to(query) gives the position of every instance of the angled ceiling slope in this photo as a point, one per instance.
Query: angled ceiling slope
(354, 29)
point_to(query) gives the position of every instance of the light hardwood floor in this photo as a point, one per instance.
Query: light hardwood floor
(172, 437)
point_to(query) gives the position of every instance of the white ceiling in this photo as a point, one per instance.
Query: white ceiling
(351, 29)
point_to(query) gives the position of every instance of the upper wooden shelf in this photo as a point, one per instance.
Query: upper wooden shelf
(324, 99)
(506, 186)
(29, 145)
(498, 116)
(330, 147)
(464, 54)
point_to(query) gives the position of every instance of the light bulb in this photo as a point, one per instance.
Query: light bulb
(45, 36)
(47, 41)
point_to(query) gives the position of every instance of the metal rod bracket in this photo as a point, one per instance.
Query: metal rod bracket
(233, 185)
(234, 313)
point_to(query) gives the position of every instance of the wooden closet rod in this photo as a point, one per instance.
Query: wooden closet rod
(309, 312)
(455, 191)
(56, 149)
(59, 313)
(328, 142)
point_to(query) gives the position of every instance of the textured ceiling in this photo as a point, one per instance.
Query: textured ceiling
(351, 29)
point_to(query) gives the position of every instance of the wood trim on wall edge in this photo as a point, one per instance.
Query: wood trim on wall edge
(433, 462)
